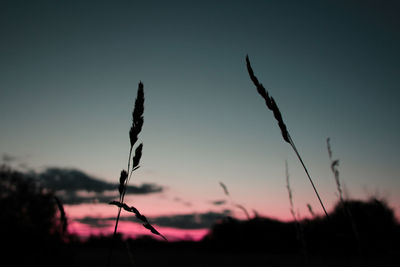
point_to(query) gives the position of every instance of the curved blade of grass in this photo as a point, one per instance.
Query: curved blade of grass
(271, 105)
(63, 217)
(138, 215)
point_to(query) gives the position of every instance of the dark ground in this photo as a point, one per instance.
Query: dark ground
(174, 256)
(197, 254)
(148, 253)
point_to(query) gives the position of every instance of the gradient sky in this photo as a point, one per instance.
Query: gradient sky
(70, 70)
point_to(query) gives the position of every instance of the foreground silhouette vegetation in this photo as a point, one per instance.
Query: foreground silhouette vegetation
(271, 105)
(33, 222)
(378, 230)
(32, 225)
(125, 176)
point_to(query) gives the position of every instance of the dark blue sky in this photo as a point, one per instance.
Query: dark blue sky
(70, 69)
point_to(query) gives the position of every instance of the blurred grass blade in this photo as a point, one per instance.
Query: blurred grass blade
(271, 105)
(138, 215)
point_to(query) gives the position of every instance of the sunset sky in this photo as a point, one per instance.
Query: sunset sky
(70, 71)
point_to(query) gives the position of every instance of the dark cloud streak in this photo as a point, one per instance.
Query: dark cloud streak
(73, 180)
(96, 222)
(190, 221)
(76, 187)
(218, 202)
(181, 221)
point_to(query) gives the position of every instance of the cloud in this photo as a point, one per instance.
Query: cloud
(181, 221)
(190, 221)
(76, 187)
(7, 158)
(95, 222)
(82, 196)
(218, 202)
(185, 203)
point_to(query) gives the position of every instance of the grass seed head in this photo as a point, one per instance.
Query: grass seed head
(138, 155)
(122, 180)
(137, 116)
(269, 101)
(310, 209)
(224, 188)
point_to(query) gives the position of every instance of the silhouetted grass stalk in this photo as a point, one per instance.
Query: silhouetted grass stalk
(63, 217)
(241, 207)
(136, 128)
(310, 210)
(271, 104)
(335, 171)
(290, 193)
(299, 229)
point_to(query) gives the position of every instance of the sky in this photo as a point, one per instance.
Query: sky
(70, 71)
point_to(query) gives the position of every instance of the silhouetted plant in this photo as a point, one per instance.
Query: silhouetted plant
(299, 229)
(375, 223)
(379, 232)
(25, 206)
(271, 104)
(137, 124)
(335, 171)
(138, 215)
(290, 194)
(29, 221)
(310, 210)
(63, 217)
(241, 207)
(136, 128)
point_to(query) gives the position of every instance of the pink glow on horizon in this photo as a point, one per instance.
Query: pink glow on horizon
(127, 229)
(100, 210)
(134, 230)
(155, 205)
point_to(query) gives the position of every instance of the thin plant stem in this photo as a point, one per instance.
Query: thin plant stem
(271, 105)
(347, 211)
(137, 123)
(308, 175)
(122, 196)
(298, 226)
